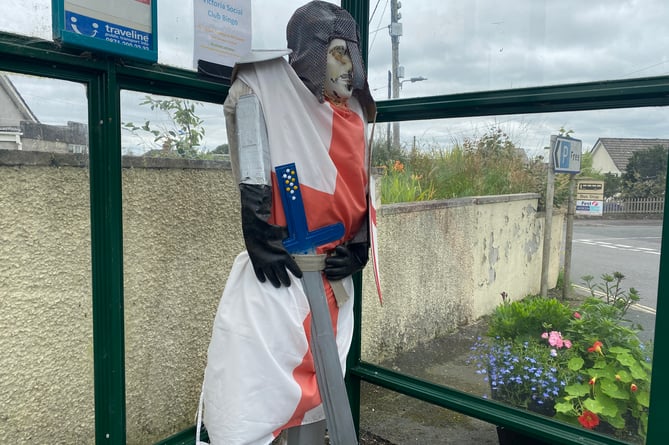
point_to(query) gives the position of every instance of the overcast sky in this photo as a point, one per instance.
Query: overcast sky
(458, 45)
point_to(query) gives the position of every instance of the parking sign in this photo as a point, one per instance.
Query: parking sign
(566, 154)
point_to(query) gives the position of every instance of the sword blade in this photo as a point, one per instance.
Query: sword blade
(330, 378)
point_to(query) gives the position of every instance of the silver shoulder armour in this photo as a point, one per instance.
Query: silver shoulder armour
(254, 159)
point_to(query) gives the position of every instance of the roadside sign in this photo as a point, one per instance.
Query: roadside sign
(123, 27)
(589, 197)
(589, 208)
(592, 189)
(566, 153)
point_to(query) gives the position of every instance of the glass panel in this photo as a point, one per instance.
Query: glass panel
(46, 338)
(175, 27)
(28, 17)
(454, 271)
(462, 46)
(162, 126)
(180, 239)
(389, 418)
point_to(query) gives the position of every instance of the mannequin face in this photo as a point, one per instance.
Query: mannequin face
(338, 85)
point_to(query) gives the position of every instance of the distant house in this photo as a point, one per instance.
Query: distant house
(611, 155)
(21, 130)
(13, 111)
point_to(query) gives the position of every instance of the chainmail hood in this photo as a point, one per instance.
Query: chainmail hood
(309, 32)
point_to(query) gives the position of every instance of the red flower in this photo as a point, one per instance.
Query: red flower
(633, 387)
(592, 381)
(596, 347)
(577, 315)
(588, 419)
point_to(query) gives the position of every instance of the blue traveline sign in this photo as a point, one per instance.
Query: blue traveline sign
(566, 153)
(122, 27)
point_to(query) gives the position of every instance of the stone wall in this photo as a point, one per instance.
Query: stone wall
(443, 263)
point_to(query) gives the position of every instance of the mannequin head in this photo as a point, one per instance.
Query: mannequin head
(310, 32)
(338, 86)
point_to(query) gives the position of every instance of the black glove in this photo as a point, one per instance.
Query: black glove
(263, 240)
(346, 260)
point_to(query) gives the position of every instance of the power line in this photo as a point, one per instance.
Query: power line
(371, 17)
(646, 68)
(371, 45)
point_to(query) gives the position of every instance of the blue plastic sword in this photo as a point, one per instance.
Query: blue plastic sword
(300, 240)
(338, 417)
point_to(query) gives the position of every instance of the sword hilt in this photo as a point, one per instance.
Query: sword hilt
(300, 239)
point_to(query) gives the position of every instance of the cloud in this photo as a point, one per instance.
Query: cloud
(467, 46)
(459, 46)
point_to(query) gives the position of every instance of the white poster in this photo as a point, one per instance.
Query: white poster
(222, 30)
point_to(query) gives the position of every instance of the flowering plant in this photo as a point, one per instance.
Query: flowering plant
(592, 371)
(610, 387)
(524, 374)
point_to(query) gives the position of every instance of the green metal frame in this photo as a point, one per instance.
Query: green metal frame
(106, 77)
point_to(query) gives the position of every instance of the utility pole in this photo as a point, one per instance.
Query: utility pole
(569, 237)
(390, 79)
(548, 226)
(395, 33)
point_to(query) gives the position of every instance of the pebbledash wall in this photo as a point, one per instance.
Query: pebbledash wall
(443, 264)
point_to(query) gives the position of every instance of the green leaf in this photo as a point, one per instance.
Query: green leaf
(619, 350)
(643, 398)
(564, 407)
(625, 376)
(602, 405)
(578, 389)
(575, 363)
(593, 405)
(612, 390)
(626, 359)
(616, 421)
(638, 372)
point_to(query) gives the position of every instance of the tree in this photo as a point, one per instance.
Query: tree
(184, 132)
(613, 184)
(646, 173)
(222, 149)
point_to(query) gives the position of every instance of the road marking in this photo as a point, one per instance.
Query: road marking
(609, 245)
(600, 294)
(642, 308)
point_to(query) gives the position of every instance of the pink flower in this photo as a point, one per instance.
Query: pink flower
(577, 315)
(555, 339)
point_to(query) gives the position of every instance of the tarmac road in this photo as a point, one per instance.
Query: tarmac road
(631, 247)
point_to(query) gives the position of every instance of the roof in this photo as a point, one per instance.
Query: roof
(16, 99)
(621, 149)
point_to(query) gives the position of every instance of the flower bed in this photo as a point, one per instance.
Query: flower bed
(585, 366)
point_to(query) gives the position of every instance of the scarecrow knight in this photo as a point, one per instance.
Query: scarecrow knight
(297, 133)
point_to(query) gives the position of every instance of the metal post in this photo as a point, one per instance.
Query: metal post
(548, 228)
(566, 283)
(390, 76)
(395, 41)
